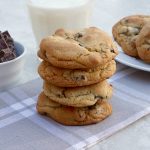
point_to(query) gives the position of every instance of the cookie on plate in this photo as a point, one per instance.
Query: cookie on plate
(73, 78)
(77, 50)
(126, 31)
(78, 96)
(143, 43)
(68, 115)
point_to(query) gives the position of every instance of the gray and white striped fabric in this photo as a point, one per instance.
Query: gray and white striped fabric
(21, 128)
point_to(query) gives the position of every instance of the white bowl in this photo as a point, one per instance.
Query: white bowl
(10, 71)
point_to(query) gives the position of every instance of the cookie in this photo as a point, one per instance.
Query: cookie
(78, 96)
(89, 48)
(68, 115)
(73, 78)
(143, 43)
(126, 31)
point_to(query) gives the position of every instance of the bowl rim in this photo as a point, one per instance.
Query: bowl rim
(17, 58)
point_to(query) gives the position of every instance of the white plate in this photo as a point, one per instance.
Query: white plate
(131, 61)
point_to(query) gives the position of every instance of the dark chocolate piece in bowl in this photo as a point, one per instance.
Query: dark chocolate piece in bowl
(1, 54)
(3, 44)
(9, 40)
(7, 47)
(7, 55)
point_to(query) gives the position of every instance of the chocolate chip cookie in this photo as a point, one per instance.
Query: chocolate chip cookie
(78, 96)
(68, 115)
(126, 31)
(77, 50)
(73, 78)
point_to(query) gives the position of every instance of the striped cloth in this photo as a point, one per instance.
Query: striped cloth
(21, 128)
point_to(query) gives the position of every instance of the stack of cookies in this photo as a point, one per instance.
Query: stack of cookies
(74, 69)
(132, 33)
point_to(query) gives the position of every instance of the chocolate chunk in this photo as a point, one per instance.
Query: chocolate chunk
(7, 48)
(112, 50)
(7, 55)
(80, 44)
(79, 78)
(7, 37)
(98, 97)
(1, 54)
(78, 35)
(3, 44)
(9, 40)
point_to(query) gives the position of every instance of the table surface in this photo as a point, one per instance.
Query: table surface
(14, 18)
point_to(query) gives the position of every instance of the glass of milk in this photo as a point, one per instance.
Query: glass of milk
(49, 15)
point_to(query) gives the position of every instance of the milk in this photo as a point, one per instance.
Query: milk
(57, 3)
(49, 15)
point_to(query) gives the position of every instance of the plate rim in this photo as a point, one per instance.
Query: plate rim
(130, 64)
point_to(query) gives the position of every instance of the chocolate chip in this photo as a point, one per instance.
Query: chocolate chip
(148, 48)
(112, 51)
(63, 94)
(98, 97)
(91, 107)
(79, 35)
(126, 21)
(79, 78)
(80, 44)
(44, 113)
(82, 77)
(59, 95)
